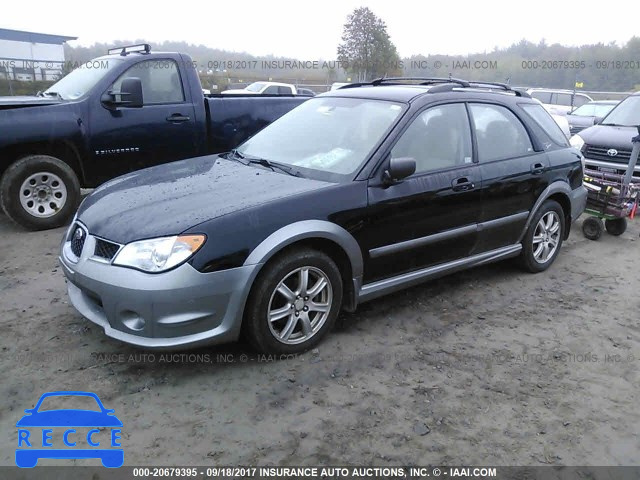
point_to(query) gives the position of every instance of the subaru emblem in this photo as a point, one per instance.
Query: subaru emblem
(78, 234)
(612, 152)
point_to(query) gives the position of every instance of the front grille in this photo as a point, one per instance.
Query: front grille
(78, 237)
(105, 249)
(600, 153)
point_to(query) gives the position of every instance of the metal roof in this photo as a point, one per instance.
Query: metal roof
(32, 37)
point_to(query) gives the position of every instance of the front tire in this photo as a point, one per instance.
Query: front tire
(544, 237)
(293, 303)
(39, 192)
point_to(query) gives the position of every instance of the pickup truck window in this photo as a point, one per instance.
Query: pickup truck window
(81, 80)
(255, 87)
(272, 90)
(160, 81)
(327, 138)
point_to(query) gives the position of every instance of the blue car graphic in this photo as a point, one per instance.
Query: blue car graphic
(27, 456)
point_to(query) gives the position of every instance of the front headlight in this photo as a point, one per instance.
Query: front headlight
(577, 141)
(159, 254)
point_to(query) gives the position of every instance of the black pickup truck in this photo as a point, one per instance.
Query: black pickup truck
(121, 112)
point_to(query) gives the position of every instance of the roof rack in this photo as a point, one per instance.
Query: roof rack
(143, 48)
(443, 84)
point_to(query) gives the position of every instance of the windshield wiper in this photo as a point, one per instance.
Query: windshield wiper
(246, 159)
(615, 125)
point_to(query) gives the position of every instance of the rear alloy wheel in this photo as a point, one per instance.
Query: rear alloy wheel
(39, 192)
(544, 237)
(616, 226)
(592, 228)
(294, 302)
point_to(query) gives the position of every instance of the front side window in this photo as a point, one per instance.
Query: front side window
(325, 138)
(438, 138)
(160, 81)
(272, 90)
(500, 134)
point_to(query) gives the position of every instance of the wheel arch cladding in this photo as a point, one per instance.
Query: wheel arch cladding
(321, 235)
(560, 192)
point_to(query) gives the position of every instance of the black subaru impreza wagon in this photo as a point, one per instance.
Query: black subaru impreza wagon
(356, 193)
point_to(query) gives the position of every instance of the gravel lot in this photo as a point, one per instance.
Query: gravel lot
(490, 366)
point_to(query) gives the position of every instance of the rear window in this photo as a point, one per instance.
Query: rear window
(546, 122)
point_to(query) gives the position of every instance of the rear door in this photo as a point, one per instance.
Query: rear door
(163, 130)
(430, 217)
(513, 173)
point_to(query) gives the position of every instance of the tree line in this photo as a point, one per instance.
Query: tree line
(366, 52)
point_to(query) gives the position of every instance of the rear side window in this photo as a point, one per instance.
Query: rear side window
(546, 122)
(500, 134)
(544, 97)
(562, 99)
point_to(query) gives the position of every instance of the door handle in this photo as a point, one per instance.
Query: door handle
(537, 168)
(178, 118)
(462, 184)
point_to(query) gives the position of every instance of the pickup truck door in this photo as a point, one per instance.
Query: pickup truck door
(162, 130)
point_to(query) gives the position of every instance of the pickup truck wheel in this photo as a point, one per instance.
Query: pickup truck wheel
(543, 239)
(294, 302)
(39, 192)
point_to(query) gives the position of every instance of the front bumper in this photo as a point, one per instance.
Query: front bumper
(178, 308)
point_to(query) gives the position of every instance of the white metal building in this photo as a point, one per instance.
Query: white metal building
(31, 56)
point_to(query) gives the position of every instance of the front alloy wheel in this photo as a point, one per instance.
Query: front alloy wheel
(300, 305)
(294, 302)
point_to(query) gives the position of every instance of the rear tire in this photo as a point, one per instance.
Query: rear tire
(39, 192)
(592, 228)
(616, 226)
(543, 239)
(285, 313)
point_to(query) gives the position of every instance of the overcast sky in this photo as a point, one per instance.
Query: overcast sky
(311, 30)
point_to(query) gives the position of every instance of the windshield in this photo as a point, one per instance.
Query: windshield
(333, 136)
(593, 110)
(626, 113)
(81, 80)
(255, 87)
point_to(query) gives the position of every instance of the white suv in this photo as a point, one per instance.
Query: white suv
(559, 102)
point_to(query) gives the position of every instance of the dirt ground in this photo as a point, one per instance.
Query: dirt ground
(492, 366)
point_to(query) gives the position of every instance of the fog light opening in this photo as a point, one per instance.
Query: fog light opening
(132, 320)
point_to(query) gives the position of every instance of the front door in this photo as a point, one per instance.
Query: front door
(430, 217)
(163, 130)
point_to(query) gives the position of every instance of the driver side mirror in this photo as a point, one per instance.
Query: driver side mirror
(130, 95)
(399, 168)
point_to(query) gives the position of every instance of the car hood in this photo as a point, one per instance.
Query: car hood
(17, 102)
(69, 418)
(609, 137)
(169, 199)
